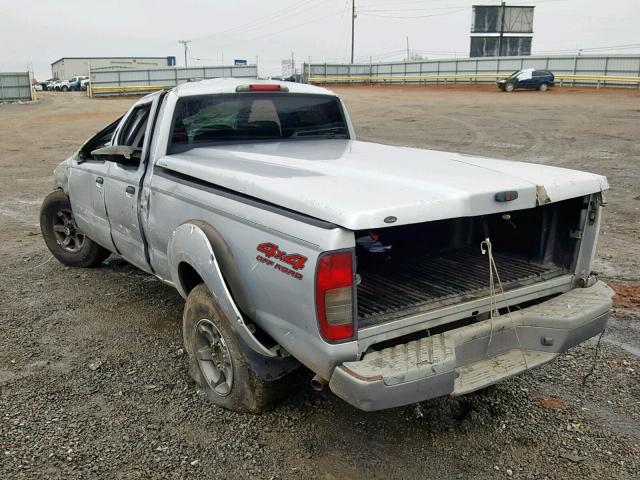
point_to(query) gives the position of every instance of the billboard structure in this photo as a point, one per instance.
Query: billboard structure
(501, 30)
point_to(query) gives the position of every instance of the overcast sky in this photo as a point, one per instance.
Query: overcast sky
(38, 32)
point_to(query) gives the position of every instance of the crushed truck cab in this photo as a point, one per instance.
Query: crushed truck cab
(294, 243)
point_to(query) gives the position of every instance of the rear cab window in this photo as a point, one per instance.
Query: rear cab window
(252, 117)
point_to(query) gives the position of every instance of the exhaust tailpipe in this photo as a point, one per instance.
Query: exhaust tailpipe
(318, 383)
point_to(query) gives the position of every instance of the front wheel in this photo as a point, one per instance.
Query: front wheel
(543, 87)
(508, 87)
(64, 88)
(62, 236)
(217, 362)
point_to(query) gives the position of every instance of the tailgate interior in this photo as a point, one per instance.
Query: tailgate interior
(415, 268)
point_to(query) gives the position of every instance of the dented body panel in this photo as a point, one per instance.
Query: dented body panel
(253, 219)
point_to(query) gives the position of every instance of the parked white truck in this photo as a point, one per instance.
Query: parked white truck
(394, 274)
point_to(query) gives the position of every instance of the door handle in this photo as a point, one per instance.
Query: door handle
(99, 181)
(130, 190)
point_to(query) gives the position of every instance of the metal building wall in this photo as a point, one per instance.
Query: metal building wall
(110, 82)
(587, 65)
(15, 86)
(68, 67)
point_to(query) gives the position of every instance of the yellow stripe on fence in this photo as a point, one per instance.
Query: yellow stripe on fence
(477, 76)
(122, 89)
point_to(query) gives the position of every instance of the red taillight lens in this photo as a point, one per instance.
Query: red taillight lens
(334, 296)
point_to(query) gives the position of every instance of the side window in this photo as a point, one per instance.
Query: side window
(132, 133)
(539, 73)
(524, 75)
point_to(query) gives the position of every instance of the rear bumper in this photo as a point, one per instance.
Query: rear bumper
(475, 356)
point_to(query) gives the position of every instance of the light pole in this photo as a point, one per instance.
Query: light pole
(353, 26)
(185, 43)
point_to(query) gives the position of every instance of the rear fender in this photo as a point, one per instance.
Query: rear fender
(191, 244)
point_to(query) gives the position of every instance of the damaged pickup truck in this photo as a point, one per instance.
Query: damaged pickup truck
(394, 274)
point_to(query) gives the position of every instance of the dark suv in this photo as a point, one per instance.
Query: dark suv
(527, 78)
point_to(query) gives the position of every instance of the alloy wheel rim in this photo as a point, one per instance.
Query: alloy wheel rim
(214, 358)
(66, 231)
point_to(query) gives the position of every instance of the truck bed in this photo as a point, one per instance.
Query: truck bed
(388, 292)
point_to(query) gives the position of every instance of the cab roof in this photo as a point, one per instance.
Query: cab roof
(229, 85)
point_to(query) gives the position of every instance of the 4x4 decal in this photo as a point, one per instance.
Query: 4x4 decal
(272, 251)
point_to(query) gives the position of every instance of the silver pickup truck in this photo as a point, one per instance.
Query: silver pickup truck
(394, 274)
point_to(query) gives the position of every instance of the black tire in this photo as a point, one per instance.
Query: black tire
(246, 392)
(64, 88)
(543, 87)
(509, 87)
(56, 215)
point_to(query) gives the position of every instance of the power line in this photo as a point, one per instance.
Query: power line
(401, 2)
(274, 17)
(416, 16)
(401, 10)
(291, 27)
(630, 46)
(400, 6)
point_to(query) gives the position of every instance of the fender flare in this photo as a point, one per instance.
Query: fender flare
(61, 176)
(190, 244)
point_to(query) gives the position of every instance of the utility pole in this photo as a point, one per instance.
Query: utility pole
(353, 26)
(293, 65)
(408, 57)
(502, 11)
(185, 43)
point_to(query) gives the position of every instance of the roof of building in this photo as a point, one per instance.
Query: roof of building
(113, 58)
(229, 85)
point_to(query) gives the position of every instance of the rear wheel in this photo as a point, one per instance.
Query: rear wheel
(543, 87)
(64, 88)
(62, 236)
(508, 87)
(217, 362)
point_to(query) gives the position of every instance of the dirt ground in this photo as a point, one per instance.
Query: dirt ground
(93, 380)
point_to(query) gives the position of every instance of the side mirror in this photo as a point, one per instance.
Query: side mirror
(122, 154)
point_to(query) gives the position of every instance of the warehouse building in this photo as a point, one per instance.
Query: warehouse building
(68, 67)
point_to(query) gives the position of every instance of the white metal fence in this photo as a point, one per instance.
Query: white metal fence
(580, 69)
(119, 82)
(15, 86)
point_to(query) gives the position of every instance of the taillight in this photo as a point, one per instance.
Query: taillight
(334, 296)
